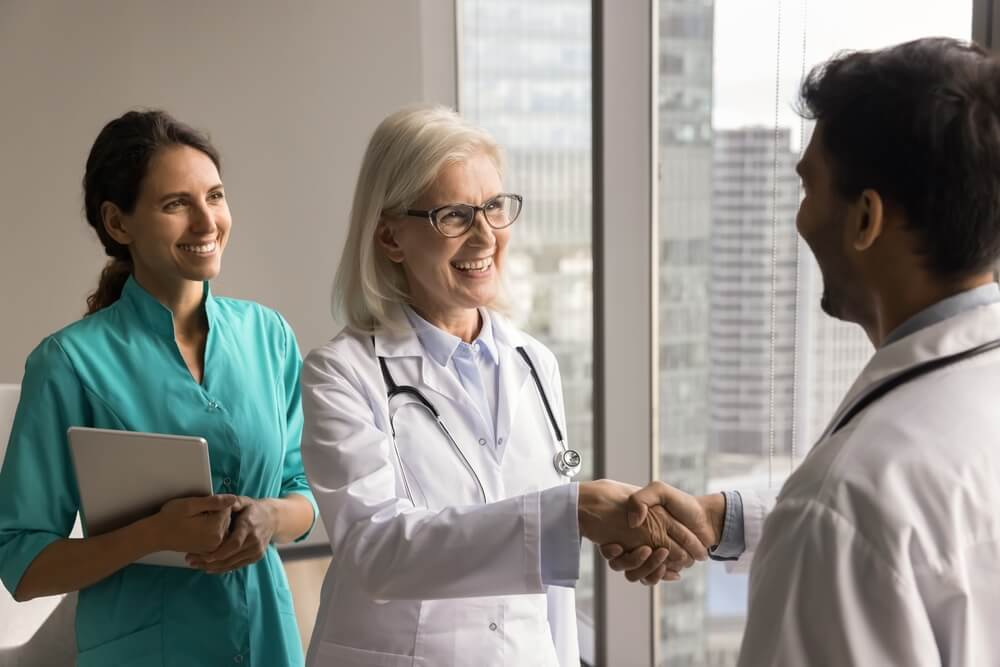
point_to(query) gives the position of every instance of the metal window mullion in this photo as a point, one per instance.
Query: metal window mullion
(624, 337)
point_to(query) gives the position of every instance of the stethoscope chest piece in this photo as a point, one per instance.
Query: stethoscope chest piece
(568, 462)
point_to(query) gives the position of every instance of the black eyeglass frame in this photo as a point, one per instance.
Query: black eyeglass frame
(432, 214)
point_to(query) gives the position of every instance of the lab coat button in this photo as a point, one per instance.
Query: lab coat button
(482, 441)
(493, 626)
(500, 441)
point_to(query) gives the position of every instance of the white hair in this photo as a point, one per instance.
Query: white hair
(405, 155)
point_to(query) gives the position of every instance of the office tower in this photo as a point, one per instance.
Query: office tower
(684, 108)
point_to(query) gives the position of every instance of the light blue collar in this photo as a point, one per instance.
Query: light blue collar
(153, 313)
(441, 345)
(983, 295)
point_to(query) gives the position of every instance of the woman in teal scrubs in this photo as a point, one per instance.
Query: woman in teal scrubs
(158, 352)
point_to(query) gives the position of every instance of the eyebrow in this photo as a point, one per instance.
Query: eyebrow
(182, 193)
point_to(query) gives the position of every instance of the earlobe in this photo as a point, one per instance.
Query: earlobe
(386, 238)
(114, 221)
(871, 221)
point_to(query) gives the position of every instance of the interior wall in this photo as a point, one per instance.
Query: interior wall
(289, 92)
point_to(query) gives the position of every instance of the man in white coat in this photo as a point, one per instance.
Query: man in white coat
(884, 546)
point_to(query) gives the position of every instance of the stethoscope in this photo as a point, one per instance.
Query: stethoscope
(567, 462)
(908, 375)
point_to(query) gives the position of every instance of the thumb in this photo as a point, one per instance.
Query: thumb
(636, 511)
(215, 503)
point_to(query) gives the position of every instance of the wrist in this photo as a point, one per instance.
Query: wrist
(714, 505)
(585, 512)
(272, 510)
(147, 536)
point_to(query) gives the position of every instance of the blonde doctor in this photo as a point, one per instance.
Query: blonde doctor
(435, 433)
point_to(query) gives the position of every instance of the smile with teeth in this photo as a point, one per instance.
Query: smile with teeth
(202, 249)
(474, 266)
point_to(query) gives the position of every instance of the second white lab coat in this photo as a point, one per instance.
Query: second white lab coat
(884, 546)
(443, 580)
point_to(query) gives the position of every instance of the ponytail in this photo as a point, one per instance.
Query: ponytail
(110, 286)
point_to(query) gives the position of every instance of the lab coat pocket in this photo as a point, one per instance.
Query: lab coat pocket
(348, 656)
(142, 648)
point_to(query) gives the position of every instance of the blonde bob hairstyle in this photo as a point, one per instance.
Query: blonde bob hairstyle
(404, 157)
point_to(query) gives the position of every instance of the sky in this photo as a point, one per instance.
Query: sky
(746, 48)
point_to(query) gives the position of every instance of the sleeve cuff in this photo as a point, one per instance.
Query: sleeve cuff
(308, 495)
(560, 540)
(17, 554)
(732, 543)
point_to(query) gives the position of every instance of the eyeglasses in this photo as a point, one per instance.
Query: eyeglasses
(453, 220)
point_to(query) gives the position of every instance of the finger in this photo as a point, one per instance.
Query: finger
(679, 560)
(687, 540)
(656, 577)
(652, 564)
(670, 575)
(610, 551)
(215, 503)
(632, 559)
(241, 559)
(231, 545)
(654, 493)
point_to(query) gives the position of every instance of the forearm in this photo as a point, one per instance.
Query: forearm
(73, 564)
(293, 516)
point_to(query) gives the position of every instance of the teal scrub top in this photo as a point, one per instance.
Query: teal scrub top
(120, 368)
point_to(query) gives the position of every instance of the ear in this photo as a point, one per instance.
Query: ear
(870, 221)
(385, 236)
(114, 223)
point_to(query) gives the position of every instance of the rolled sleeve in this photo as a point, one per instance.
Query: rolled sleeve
(732, 543)
(293, 474)
(38, 497)
(560, 550)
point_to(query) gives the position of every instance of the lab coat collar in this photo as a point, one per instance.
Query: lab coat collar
(157, 316)
(441, 345)
(956, 334)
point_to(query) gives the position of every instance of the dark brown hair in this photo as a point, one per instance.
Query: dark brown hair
(920, 124)
(116, 167)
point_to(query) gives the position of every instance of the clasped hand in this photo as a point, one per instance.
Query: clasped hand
(652, 533)
(252, 526)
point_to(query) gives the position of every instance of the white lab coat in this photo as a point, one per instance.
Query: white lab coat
(444, 580)
(884, 546)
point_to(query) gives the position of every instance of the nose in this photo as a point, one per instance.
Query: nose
(481, 229)
(202, 219)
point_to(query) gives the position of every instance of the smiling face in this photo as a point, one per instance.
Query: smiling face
(824, 222)
(449, 278)
(180, 225)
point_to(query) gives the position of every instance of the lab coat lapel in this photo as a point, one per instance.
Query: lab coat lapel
(514, 374)
(951, 336)
(403, 342)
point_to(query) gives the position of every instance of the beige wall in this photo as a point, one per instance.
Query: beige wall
(289, 91)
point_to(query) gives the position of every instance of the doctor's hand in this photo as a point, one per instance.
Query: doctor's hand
(702, 515)
(254, 524)
(192, 524)
(604, 514)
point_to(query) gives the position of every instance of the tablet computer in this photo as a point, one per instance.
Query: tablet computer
(124, 476)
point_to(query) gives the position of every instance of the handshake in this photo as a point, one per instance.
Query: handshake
(651, 533)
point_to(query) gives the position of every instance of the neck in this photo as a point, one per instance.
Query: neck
(183, 299)
(896, 305)
(464, 323)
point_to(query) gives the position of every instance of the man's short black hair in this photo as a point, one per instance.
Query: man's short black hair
(920, 124)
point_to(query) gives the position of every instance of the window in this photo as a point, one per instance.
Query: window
(526, 77)
(750, 369)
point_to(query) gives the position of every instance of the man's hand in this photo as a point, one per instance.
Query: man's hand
(703, 516)
(608, 516)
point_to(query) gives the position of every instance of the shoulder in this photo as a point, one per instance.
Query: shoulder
(346, 354)
(253, 316)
